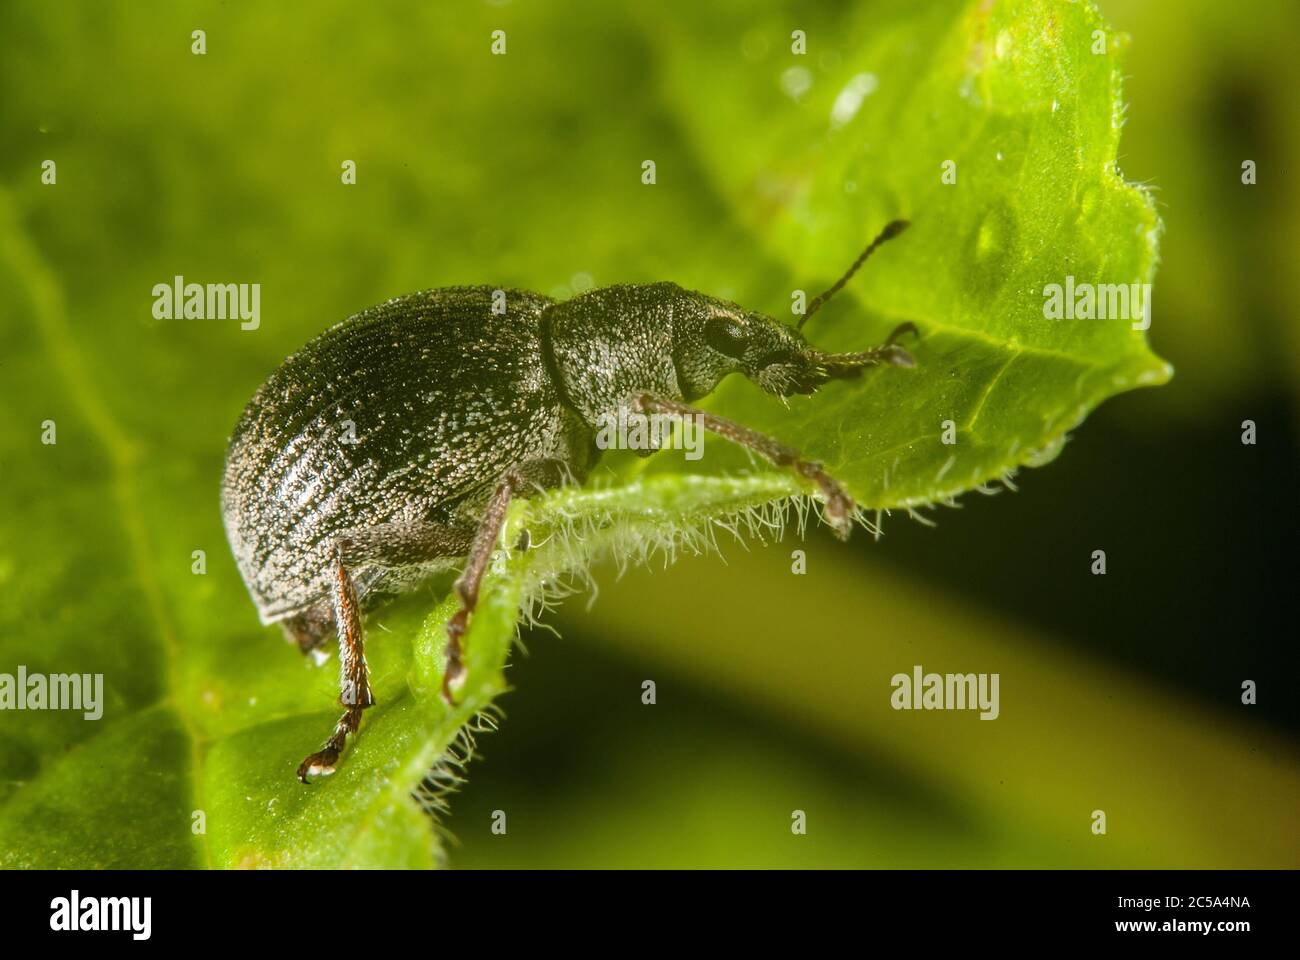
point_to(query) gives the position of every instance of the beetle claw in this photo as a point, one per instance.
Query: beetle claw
(907, 326)
(839, 514)
(454, 677)
(452, 681)
(320, 764)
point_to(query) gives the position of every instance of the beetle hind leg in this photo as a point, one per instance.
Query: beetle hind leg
(392, 545)
(354, 678)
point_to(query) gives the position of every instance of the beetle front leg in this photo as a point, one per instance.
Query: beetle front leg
(354, 679)
(839, 506)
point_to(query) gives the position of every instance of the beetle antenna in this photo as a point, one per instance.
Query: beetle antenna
(892, 229)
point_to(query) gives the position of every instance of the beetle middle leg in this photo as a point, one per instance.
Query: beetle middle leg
(536, 474)
(839, 506)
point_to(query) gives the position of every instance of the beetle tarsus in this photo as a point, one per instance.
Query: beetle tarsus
(838, 505)
(325, 761)
(318, 765)
(453, 677)
(891, 352)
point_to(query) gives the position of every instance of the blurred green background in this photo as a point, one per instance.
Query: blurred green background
(1119, 693)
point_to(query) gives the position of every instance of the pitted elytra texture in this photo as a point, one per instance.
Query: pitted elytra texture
(433, 425)
(392, 444)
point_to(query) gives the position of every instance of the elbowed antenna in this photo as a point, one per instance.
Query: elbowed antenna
(892, 229)
(839, 366)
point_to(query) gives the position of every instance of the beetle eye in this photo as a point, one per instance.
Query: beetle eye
(726, 337)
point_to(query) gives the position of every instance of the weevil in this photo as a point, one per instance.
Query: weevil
(392, 444)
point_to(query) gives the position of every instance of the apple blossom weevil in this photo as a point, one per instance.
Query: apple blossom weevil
(392, 444)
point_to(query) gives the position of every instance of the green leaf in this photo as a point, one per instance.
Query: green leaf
(759, 193)
(822, 151)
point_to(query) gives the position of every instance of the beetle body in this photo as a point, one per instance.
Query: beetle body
(392, 444)
(408, 411)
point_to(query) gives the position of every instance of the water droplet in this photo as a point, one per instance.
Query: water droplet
(1010, 146)
(1002, 45)
(1089, 200)
(796, 81)
(849, 102)
(992, 246)
(988, 239)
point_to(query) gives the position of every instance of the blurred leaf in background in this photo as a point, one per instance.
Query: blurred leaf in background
(1208, 88)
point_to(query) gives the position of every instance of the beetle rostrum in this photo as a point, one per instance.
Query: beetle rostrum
(390, 446)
